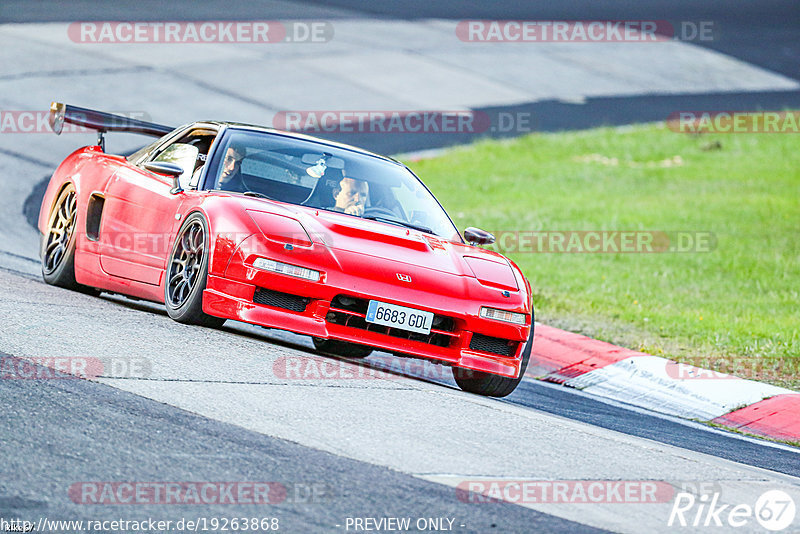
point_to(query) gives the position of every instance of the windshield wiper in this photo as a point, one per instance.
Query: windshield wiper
(400, 223)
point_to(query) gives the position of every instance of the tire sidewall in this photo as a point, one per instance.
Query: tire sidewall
(526, 353)
(193, 304)
(493, 385)
(64, 273)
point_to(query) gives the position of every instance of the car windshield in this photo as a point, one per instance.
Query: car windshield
(318, 175)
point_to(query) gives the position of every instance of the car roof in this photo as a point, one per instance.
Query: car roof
(305, 137)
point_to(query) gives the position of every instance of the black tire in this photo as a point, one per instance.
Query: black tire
(187, 274)
(58, 243)
(491, 385)
(342, 348)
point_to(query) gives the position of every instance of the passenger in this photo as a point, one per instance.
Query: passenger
(382, 198)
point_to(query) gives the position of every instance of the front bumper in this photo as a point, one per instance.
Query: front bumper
(233, 299)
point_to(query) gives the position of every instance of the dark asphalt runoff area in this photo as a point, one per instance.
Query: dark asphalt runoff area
(764, 33)
(58, 434)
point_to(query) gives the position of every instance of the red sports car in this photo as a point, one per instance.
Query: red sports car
(221, 220)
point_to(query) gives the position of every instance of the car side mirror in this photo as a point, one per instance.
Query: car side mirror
(476, 236)
(167, 169)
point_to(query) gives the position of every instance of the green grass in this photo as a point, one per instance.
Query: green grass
(735, 309)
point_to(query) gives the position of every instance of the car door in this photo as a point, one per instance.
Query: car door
(139, 219)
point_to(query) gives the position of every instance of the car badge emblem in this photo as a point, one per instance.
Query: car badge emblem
(404, 277)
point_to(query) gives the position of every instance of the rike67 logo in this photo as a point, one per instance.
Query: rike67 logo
(774, 510)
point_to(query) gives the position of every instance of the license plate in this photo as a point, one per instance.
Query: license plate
(399, 317)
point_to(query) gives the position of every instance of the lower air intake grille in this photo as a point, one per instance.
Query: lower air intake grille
(349, 311)
(277, 299)
(494, 345)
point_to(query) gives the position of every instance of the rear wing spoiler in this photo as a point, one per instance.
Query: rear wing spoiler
(101, 121)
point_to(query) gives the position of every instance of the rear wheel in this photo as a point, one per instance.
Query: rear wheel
(187, 274)
(342, 348)
(493, 385)
(58, 244)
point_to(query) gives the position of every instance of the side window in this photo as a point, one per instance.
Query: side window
(183, 155)
(141, 154)
(190, 152)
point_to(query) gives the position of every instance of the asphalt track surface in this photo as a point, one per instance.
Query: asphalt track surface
(149, 441)
(764, 33)
(57, 432)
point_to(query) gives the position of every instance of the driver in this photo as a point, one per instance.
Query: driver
(230, 179)
(350, 195)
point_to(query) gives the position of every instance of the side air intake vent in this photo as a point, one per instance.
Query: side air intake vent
(94, 213)
(287, 301)
(494, 345)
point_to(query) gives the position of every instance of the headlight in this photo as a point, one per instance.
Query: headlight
(286, 268)
(502, 315)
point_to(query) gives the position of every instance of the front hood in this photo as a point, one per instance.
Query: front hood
(383, 251)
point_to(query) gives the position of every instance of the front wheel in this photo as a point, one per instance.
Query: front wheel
(491, 385)
(187, 274)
